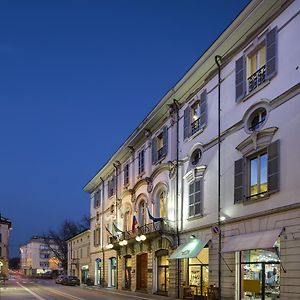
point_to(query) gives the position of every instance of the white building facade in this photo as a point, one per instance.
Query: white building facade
(37, 258)
(5, 226)
(182, 209)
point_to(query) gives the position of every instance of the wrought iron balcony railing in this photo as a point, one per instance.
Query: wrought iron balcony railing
(195, 126)
(154, 228)
(257, 78)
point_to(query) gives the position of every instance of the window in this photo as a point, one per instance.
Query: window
(195, 205)
(160, 145)
(195, 116)
(126, 174)
(256, 66)
(162, 257)
(126, 222)
(163, 204)
(257, 175)
(257, 119)
(97, 198)
(196, 156)
(142, 213)
(111, 186)
(141, 157)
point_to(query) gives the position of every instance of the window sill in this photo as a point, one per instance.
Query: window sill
(254, 199)
(253, 92)
(195, 217)
(195, 134)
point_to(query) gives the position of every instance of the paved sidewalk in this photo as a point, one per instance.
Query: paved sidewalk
(137, 295)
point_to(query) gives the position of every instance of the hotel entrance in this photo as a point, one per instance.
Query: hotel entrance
(141, 271)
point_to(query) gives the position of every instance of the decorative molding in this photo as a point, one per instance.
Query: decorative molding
(195, 173)
(257, 140)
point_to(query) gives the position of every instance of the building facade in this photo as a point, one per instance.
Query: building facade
(37, 258)
(203, 197)
(5, 226)
(79, 255)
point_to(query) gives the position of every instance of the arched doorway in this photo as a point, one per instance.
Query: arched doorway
(112, 272)
(98, 271)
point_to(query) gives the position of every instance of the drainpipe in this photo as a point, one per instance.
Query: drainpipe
(218, 60)
(102, 226)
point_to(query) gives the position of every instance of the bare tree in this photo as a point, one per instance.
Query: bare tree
(56, 240)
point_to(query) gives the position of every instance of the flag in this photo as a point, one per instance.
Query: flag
(152, 218)
(134, 222)
(116, 228)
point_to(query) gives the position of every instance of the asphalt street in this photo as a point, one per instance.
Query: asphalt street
(18, 287)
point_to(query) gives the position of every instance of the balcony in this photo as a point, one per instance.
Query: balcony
(257, 79)
(150, 231)
(195, 126)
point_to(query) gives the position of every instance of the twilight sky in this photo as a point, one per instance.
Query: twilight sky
(76, 78)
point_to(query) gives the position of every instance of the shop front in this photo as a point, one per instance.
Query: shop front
(98, 271)
(162, 260)
(112, 272)
(84, 274)
(196, 253)
(259, 264)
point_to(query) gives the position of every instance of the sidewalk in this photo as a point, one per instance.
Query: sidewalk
(137, 295)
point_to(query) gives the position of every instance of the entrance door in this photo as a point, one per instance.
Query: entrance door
(142, 269)
(128, 272)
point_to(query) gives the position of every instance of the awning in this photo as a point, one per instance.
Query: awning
(190, 249)
(249, 241)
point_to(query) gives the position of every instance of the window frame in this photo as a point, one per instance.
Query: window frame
(194, 194)
(141, 161)
(126, 174)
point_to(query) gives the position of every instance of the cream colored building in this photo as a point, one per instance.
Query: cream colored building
(79, 255)
(5, 226)
(224, 210)
(37, 258)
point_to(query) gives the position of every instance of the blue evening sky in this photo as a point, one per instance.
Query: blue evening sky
(76, 78)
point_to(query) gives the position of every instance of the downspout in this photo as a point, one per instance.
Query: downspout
(176, 106)
(102, 226)
(218, 60)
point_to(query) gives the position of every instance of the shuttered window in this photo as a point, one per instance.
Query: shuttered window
(257, 175)
(111, 187)
(141, 162)
(195, 116)
(126, 174)
(97, 198)
(255, 68)
(160, 146)
(195, 198)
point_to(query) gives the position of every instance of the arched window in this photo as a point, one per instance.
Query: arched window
(126, 221)
(163, 204)
(142, 213)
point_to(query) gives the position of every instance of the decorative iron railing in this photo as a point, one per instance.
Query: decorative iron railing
(257, 78)
(158, 227)
(195, 126)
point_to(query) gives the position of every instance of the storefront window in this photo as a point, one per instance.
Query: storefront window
(162, 271)
(113, 272)
(260, 274)
(199, 273)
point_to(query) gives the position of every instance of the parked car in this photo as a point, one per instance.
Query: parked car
(59, 279)
(70, 280)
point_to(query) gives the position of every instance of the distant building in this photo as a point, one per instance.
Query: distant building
(5, 226)
(79, 255)
(37, 258)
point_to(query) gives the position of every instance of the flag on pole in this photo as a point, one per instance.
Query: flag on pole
(153, 218)
(134, 222)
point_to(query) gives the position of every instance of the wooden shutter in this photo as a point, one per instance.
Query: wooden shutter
(154, 151)
(165, 140)
(239, 180)
(187, 123)
(273, 167)
(271, 53)
(240, 78)
(203, 109)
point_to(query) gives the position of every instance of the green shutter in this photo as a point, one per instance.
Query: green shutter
(271, 53)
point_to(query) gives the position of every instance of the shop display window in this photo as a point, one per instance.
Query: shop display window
(198, 272)
(260, 274)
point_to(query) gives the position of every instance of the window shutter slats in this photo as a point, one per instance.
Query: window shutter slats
(154, 151)
(239, 180)
(273, 167)
(165, 140)
(271, 53)
(203, 109)
(187, 123)
(240, 78)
